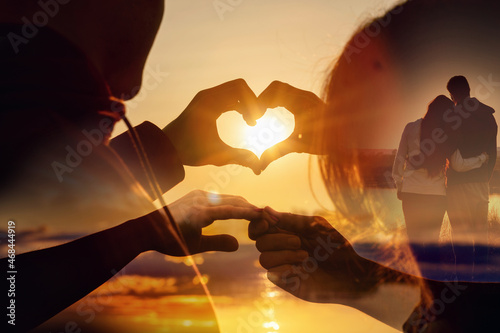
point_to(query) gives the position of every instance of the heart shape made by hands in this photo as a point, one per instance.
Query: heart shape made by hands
(273, 127)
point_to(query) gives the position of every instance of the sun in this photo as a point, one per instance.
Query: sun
(275, 126)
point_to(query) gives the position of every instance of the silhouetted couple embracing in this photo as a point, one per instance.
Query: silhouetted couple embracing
(444, 163)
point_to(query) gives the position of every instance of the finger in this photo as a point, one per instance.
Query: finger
(290, 222)
(225, 243)
(278, 258)
(275, 95)
(230, 155)
(204, 198)
(248, 105)
(245, 158)
(265, 224)
(306, 226)
(226, 212)
(277, 242)
(277, 151)
(293, 99)
(233, 200)
(257, 227)
(237, 95)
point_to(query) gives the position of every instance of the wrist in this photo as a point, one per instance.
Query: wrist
(370, 275)
(141, 232)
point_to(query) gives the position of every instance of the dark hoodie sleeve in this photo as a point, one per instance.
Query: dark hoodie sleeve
(161, 154)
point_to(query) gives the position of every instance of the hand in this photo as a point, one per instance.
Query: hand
(194, 133)
(308, 258)
(307, 109)
(399, 195)
(191, 213)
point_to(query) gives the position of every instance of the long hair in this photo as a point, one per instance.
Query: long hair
(422, 41)
(419, 39)
(344, 166)
(434, 156)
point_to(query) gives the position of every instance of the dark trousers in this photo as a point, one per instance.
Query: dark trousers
(423, 216)
(468, 212)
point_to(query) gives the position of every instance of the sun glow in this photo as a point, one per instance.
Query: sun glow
(275, 126)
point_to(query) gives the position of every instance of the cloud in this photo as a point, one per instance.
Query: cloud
(31, 238)
(139, 286)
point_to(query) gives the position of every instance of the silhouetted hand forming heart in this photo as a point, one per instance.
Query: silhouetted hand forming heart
(307, 109)
(195, 137)
(194, 133)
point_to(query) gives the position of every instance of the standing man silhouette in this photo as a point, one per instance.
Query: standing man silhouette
(468, 192)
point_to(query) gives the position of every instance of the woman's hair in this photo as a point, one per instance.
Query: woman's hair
(422, 42)
(433, 125)
(343, 166)
(418, 43)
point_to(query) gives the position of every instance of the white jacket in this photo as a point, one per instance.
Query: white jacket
(410, 180)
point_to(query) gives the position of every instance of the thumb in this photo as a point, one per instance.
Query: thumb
(242, 157)
(225, 243)
(257, 228)
(275, 152)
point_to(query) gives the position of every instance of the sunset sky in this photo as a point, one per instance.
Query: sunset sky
(201, 45)
(260, 41)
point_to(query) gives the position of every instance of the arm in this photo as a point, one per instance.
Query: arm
(400, 161)
(54, 278)
(307, 109)
(64, 274)
(492, 149)
(192, 138)
(194, 133)
(459, 164)
(308, 258)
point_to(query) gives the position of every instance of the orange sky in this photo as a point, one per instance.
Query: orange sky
(293, 41)
(260, 41)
